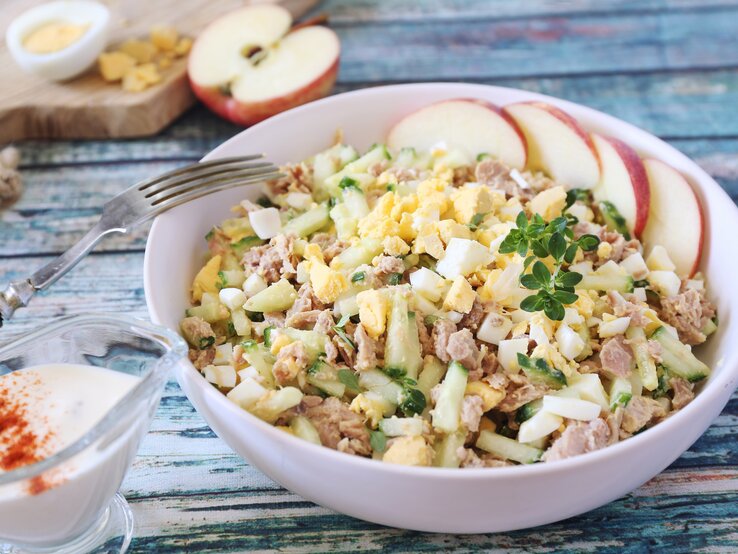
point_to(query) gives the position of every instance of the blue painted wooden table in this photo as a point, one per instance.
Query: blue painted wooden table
(669, 66)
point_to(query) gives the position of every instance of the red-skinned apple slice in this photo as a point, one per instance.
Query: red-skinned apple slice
(557, 145)
(472, 126)
(623, 181)
(248, 65)
(675, 219)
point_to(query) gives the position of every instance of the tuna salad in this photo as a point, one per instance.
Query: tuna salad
(428, 309)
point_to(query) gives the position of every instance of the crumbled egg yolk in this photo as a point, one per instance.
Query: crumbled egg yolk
(460, 297)
(604, 250)
(373, 308)
(279, 342)
(371, 408)
(489, 395)
(395, 246)
(53, 37)
(429, 244)
(549, 203)
(469, 201)
(409, 451)
(328, 284)
(141, 77)
(206, 279)
(114, 65)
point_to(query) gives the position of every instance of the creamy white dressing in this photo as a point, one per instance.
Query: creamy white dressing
(62, 402)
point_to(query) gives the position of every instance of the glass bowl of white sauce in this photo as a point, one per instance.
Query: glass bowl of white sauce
(76, 399)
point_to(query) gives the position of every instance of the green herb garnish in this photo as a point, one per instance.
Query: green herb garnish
(576, 194)
(222, 280)
(378, 441)
(268, 336)
(344, 337)
(394, 279)
(210, 234)
(554, 239)
(265, 202)
(343, 321)
(348, 378)
(206, 342)
(413, 399)
(231, 329)
(349, 183)
(476, 221)
(358, 276)
(482, 156)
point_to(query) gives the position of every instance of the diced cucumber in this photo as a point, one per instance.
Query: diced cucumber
(355, 201)
(260, 359)
(401, 426)
(585, 335)
(209, 312)
(619, 283)
(275, 298)
(232, 278)
(240, 247)
(613, 219)
(527, 411)
(302, 427)
(508, 449)
(709, 328)
(538, 371)
(447, 450)
(346, 223)
(405, 158)
(325, 377)
(452, 159)
(359, 254)
(270, 406)
(447, 413)
(329, 162)
(379, 382)
(308, 223)
(241, 323)
(645, 363)
(209, 298)
(621, 391)
(377, 154)
(678, 358)
(433, 372)
(402, 350)
(314, 341)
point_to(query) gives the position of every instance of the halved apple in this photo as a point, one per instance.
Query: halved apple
(675, 219)
(472, 126)
(623, 181)
(248, 65)
(557, 145)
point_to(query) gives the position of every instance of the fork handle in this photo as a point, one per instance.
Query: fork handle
(18, 293)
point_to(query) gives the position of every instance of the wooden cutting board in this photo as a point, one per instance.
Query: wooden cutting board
(87, 106)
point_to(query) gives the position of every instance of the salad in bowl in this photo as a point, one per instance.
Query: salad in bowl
(467, 294)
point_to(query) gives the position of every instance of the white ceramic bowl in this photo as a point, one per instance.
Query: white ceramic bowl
(433, 499)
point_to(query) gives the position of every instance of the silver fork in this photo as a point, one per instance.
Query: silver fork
(135, 206)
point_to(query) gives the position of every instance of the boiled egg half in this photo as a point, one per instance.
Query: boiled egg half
(59, 40)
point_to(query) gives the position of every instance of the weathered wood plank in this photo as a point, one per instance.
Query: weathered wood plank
(547, 46)
(361, 11)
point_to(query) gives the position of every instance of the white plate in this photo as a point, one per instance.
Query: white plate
(433, 499)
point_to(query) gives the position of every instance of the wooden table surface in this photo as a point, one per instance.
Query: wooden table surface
(669, 66)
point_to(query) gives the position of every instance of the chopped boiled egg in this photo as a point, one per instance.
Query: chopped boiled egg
(666, 283)
(328, 284)
(469, 201)
(428, 283)
(247, 393)
(59, 40)
(266, 222)
(635, 265)
(373, 308)
(253, 284)
(233, 298)
(540, 425)
(549, 203)
(659, 260)
(508, 351)
(569, 342)
(206, 279)
(571, 408)
(460, 296)
(462, 257)
(490, 396)
(221, 375)
(494, 328)
(409, 451)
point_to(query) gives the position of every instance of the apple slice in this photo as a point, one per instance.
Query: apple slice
(623, 181)
(472, 126)
(248, 65)
(675, 219)
(557, 145)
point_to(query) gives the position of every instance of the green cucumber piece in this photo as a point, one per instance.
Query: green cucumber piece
(211, 313)
(275, 298)
(380, 383)
(402, 351)
(614, 219)
(260, 359)
(621, 391)
(538, 371)
(446, 450)
(508, 449)
(447, 413)
(302, 427)
(359, 254)
(376, 154)
(644, 362)
(308, 223)
(619, 283)
(433, 372)
(527, 411)
(678, 358)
